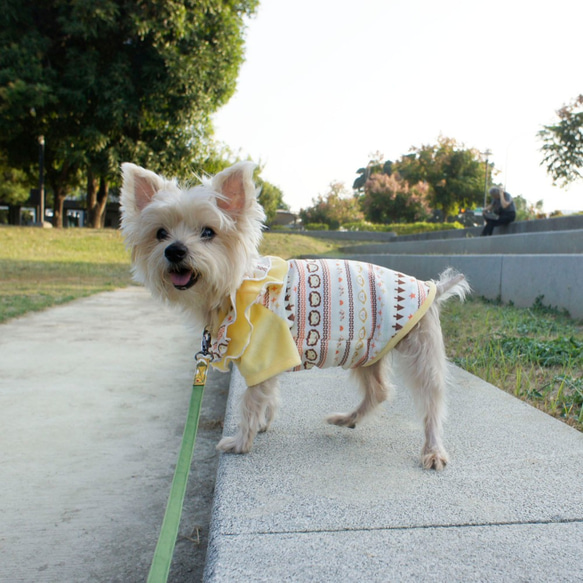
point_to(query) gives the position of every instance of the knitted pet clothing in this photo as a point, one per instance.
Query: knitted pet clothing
(319, 312)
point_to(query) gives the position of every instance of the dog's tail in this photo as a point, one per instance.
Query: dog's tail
(452, 283)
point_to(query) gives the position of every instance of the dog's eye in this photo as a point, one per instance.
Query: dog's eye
(207, 233)
(162, 234)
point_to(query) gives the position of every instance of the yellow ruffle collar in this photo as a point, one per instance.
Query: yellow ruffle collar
(250, 334)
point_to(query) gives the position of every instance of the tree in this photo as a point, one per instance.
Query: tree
(563, 144)
(114, 80)
(270, 198)
(334, 209)
(376, 165)
(390, 199)
(455, 175)
(526, 211)
(14, 184)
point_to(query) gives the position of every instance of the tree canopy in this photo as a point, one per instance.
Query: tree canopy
(270, 198)
(445, 176)
(115, 80)
(454, 174)
(563, 144)
(334, 209)
(388, 198)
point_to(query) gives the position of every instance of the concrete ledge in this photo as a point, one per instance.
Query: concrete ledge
(313, 502)
(532, 243)
(572, 222)
(517, 278)
(348, 235)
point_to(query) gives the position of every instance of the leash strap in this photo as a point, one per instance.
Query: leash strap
(169, 531)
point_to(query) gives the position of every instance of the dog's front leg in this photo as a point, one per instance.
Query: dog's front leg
(258, 408)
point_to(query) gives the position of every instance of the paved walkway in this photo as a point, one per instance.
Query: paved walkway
(313, 502)
(93, 400)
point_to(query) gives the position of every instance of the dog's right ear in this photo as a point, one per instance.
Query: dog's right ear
(236, 188)
(139, 186)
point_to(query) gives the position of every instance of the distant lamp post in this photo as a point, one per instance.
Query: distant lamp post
(41, 178)
(486, 153)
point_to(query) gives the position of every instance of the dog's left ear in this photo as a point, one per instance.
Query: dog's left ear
(235, 187)
(139, 186)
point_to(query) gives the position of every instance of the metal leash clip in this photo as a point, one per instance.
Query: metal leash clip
(202, 358)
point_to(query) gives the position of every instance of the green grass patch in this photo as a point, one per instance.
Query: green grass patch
(40, 268)
(535, 354)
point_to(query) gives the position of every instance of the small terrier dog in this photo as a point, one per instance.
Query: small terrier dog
(197, 249)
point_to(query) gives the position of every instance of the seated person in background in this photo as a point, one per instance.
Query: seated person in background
(500, 211)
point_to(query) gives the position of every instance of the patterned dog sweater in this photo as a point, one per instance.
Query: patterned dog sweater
(320, 312)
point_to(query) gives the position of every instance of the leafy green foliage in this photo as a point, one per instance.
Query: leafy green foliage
(563, 144)
(554, 352)
(334, 209)
(390, 199)
(401, 228)
(455, 174)
(270, 198)
(115, 80)
(14, 184)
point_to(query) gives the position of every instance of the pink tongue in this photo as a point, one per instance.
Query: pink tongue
(180, 278)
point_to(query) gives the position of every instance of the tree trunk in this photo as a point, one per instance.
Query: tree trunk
(59, 195)
(102, 195)
(91, 199)
(59, 181)
(96, 200)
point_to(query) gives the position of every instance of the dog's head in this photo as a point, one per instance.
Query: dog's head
(191, 247)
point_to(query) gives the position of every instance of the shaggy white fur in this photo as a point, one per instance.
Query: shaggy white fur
(192, 247)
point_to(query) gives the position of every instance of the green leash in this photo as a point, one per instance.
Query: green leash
(167, 539)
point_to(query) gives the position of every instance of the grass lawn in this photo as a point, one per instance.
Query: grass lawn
(535, 354)
(40, 268)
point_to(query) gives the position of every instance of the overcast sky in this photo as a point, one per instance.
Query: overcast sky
(326, 83)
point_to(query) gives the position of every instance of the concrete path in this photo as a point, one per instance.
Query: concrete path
(313, 502)
(93, 401)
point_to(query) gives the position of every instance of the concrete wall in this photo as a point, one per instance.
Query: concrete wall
(532, 243)
(517, 278)
(347, 235)
(572, 222)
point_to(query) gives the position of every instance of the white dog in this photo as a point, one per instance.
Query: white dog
(197, 249)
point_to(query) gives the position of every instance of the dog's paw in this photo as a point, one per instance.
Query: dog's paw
(434, 460)
(233, 445)
(342, 420)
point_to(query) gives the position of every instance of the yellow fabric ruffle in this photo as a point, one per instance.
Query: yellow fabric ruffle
(258, 341)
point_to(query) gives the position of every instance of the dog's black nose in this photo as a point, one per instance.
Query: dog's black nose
(176, 252)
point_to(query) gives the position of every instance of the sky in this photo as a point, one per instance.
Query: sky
(328, 83)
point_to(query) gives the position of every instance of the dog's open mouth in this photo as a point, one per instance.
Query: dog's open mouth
(183, 278)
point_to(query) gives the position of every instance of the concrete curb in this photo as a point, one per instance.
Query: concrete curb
(318, 503)
(556, 242)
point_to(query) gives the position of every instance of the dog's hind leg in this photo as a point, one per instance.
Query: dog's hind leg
(259, 405)
(375, 386)
(425, 373)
